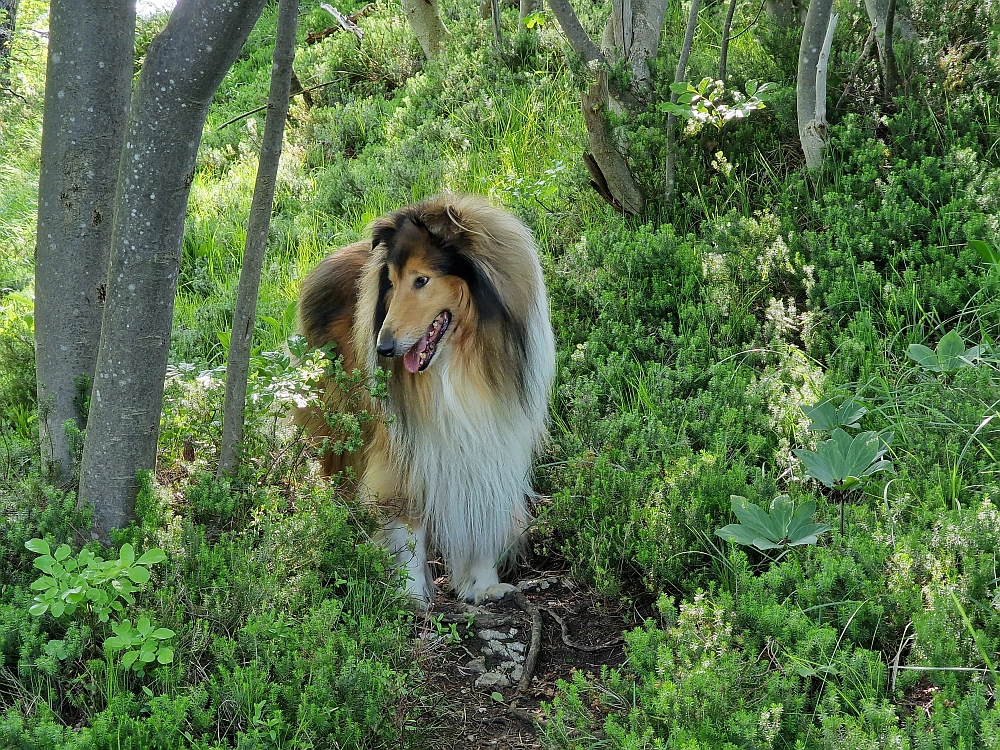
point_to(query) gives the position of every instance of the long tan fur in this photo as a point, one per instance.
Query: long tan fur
(449, 462)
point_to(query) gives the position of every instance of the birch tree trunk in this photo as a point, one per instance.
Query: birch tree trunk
(183, 68)
(632, 33)
(8, 22)
(238, 364)
(679, 75)
(88, 83)
(425, 20)
(810, 86)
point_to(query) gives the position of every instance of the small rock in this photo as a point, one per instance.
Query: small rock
(516, 674)
(492, 679)
(492, 635)
(515, 646)
(477, 665)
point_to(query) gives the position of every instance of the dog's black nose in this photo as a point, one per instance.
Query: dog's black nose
(386, 346)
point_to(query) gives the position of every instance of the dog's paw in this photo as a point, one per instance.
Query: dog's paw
(491, 593)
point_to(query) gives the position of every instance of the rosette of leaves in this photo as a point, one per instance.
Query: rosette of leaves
(87, 580)
(827, 417)
(142, 644)
(842, 463)
(781, 527)
(950, 355)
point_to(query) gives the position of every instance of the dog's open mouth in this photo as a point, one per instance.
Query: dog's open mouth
(419, 357)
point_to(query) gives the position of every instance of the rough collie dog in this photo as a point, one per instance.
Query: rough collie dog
(447, 296)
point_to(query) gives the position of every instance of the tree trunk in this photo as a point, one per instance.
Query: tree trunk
(632, 33)
(88, 83)
(183, 68)
(727, 29)
(425, 20)
(8, 21)
(238, 365)
(679, 75)
(527, 7)
(878, 14)
(612, 178)
(810, 87)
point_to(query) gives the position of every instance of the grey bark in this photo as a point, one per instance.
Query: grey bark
(527, 7)
(8, 22)
(425, 20)
(632, 33)
(238, 364)
(810, 87)
(613, 179)
(878, 14)
(183, 67)
(782, 12)
(87, 88)
(727, 29)
(890, 71)
(679, 75)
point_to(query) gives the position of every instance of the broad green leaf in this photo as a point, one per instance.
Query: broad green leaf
(62, 552)
(138, 574)
(113, 643)
(42, 583)
(44, 563)
(808, 533)
(735, 532)
(129, 658)
(152, 556)
(765, 544)
(802, 516)
(817, 466)
(823, 416)
(754, 518)
(679, 87)
(147, 656)
(144, 626)
(58, 608)
(924, 356)
(862, 451)
(165, 655)
(38, 545)
(162, 633)
(781, 515)
(127, 555)
(988, 253)
(39, 609)
(949, 351)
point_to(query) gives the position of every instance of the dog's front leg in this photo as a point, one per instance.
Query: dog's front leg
(406, 540)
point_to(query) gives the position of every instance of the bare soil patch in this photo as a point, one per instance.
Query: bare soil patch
(469, 653)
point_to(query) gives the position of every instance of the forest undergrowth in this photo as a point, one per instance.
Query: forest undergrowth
(821, 343)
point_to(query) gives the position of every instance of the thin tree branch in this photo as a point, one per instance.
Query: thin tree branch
(262, 107)
(679, 76)
(724, 51)
(578, 37)
(750, 25)
(865, 52)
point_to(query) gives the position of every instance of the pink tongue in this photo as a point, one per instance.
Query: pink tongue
(411, 360)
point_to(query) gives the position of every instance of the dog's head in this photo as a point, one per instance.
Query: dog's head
(434, 290)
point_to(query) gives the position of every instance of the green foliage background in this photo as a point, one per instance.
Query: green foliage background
(688, 341)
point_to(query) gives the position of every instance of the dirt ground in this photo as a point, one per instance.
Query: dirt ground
(470, 653)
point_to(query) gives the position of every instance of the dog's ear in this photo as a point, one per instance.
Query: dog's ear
(445, 224)
(382, 231)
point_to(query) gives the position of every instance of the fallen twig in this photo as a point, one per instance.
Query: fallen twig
(346, 23)
(294, 93)
(536, 640)
(573, 644)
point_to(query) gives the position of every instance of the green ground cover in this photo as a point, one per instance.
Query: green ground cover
(690, 339)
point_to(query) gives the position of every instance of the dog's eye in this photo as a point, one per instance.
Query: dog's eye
(420, 282)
